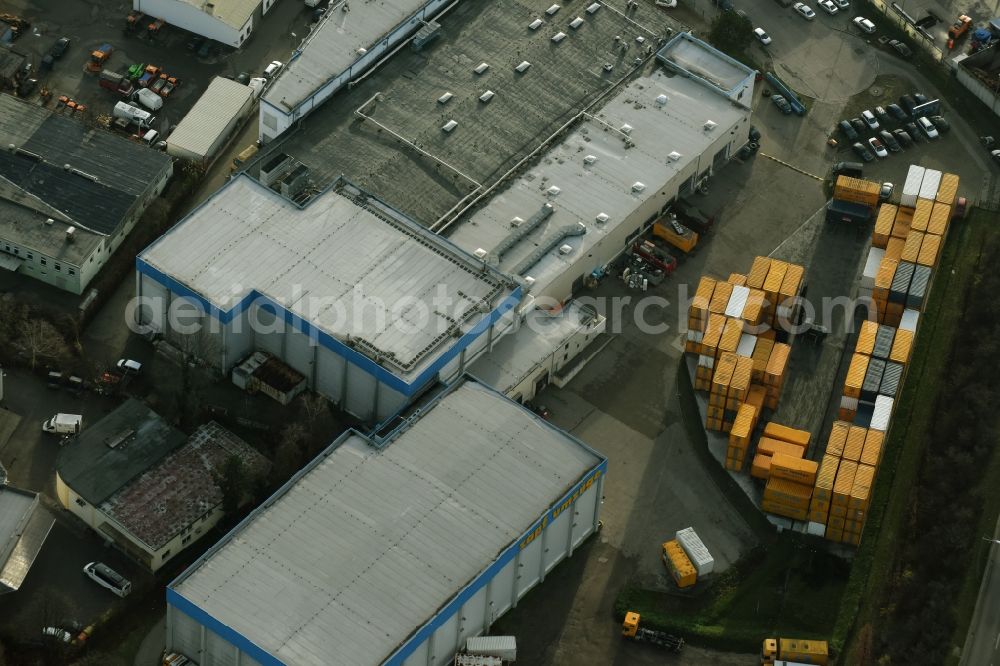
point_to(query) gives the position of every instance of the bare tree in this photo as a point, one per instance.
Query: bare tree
(315, 406)
(288, 457)
(42, 340)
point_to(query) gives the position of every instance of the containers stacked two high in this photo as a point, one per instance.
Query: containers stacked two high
(687, 558)
(734, 327)
(854, 200)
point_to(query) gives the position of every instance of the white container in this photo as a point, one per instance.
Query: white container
(911, 187)
(504, 647)
(696, 551)
(882, 413)
(747, 344)
(909, 320)
(737, 301)
(847, 402)
(930, 184)
(875, 256)
(706, 361)
(816, 529)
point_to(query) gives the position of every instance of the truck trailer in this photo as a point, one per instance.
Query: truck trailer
(794, 651)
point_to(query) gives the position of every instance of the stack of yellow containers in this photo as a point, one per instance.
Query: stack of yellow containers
(698, 314)
(719, 393)
(819, 507)
(852, 384)
(883, 281)
(780, 460)
(774, 373)
(737, 279)
(772, 289)
(842, 491)
(709, 349)
(883, 225)
(679, 564)
(739, 436)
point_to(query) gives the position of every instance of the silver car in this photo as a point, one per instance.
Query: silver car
(108, 578)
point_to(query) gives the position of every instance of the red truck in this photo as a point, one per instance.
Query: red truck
(116, 83)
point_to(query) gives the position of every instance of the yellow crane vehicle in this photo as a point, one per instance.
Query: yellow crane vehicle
(634, 632)
(675, 233)
(793, 652)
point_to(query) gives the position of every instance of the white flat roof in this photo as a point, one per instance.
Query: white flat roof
(210, 116)
(337, 264)
(333, 46)
(519, 353)
(606, 185)
(364, 548)
(233, 13)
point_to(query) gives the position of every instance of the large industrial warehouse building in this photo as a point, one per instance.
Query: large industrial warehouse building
(394, 549)
(227, 21)
(370, 307)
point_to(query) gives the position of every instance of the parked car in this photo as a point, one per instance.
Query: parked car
(882, 115)
(907, 102)
(842, 4)
(782, 104)
(108, 578)
(900, 48)
(272, 70)
(804, 10)
(928, 128)
(920, 98)
(911, 129)
(878, 148)
(940, 123)
(904, 138)
(129, 367)
(864, 25)
(890, 141)
(828, 7)
(870, 119)
(862, 151)
(896, 111)
(859, 125)
(885, 192)
(848, 131)
(762, 36)
(57, 634)
(58, 49)
(850, 169)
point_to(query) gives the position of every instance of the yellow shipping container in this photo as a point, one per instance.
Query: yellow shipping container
(883, 278)
(786, 434)
(786, 510)
(921, 215)
(791, 285)
(775, 276)
(844, 483)
(902, 345)
(911, 250)
(838, 438)
(774, 372)
(793, 469)
(804, 650)
(940, 216)
(866, 338)
(948, 189)
(761, 466)
(839, 511)
(825, 478)
(720, 297)
(740, 384)
(857, 190)
(855, 443)
(769, 447)
(929, 250)
(833, 534)
(872, 453)
(743, 425)
(753, 311)
(737, 279)
(713, 333)
(836, 521)
(702, 296)
(883, 224)
(678, 564)
(787, 491)
(894, 248)
(864, 479)
(756, 397)
(761, 354)
(852, 539)
(758, 272)
(855, 375)
(723, 374)
(730, 339)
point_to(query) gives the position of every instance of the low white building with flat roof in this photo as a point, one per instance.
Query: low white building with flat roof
(212, 121)
(613, 174)
(370, 307)
(394, 549)
(227, 21)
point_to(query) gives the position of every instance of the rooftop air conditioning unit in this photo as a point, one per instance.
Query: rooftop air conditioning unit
(528, 280)
(523, 67)
(449, 126)
(486, 96)
(70, 234)
(516, 221)
(602, 218)
(443, 99)
(536, 24)
(558, 37)
(480, 253)
(590, 159)
(593, 7)
(553, 9)
(710, 125)
(576, 23)
(661, 100)
(674, 156)
(481, 68)
(626, 129)
(553, 191)
(638, 186)
(565, 249)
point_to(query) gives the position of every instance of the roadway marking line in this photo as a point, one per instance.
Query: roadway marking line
(996, 644)
(792, 167)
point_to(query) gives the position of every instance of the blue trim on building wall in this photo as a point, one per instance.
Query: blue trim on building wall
(228, 633)
(455, 605)
(353, 356)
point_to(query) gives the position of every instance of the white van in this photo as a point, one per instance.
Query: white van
(64, 424)
(108, 578)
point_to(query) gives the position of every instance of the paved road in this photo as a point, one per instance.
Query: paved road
(982, 645)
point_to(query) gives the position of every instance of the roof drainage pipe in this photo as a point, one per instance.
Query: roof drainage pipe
(568, 231)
